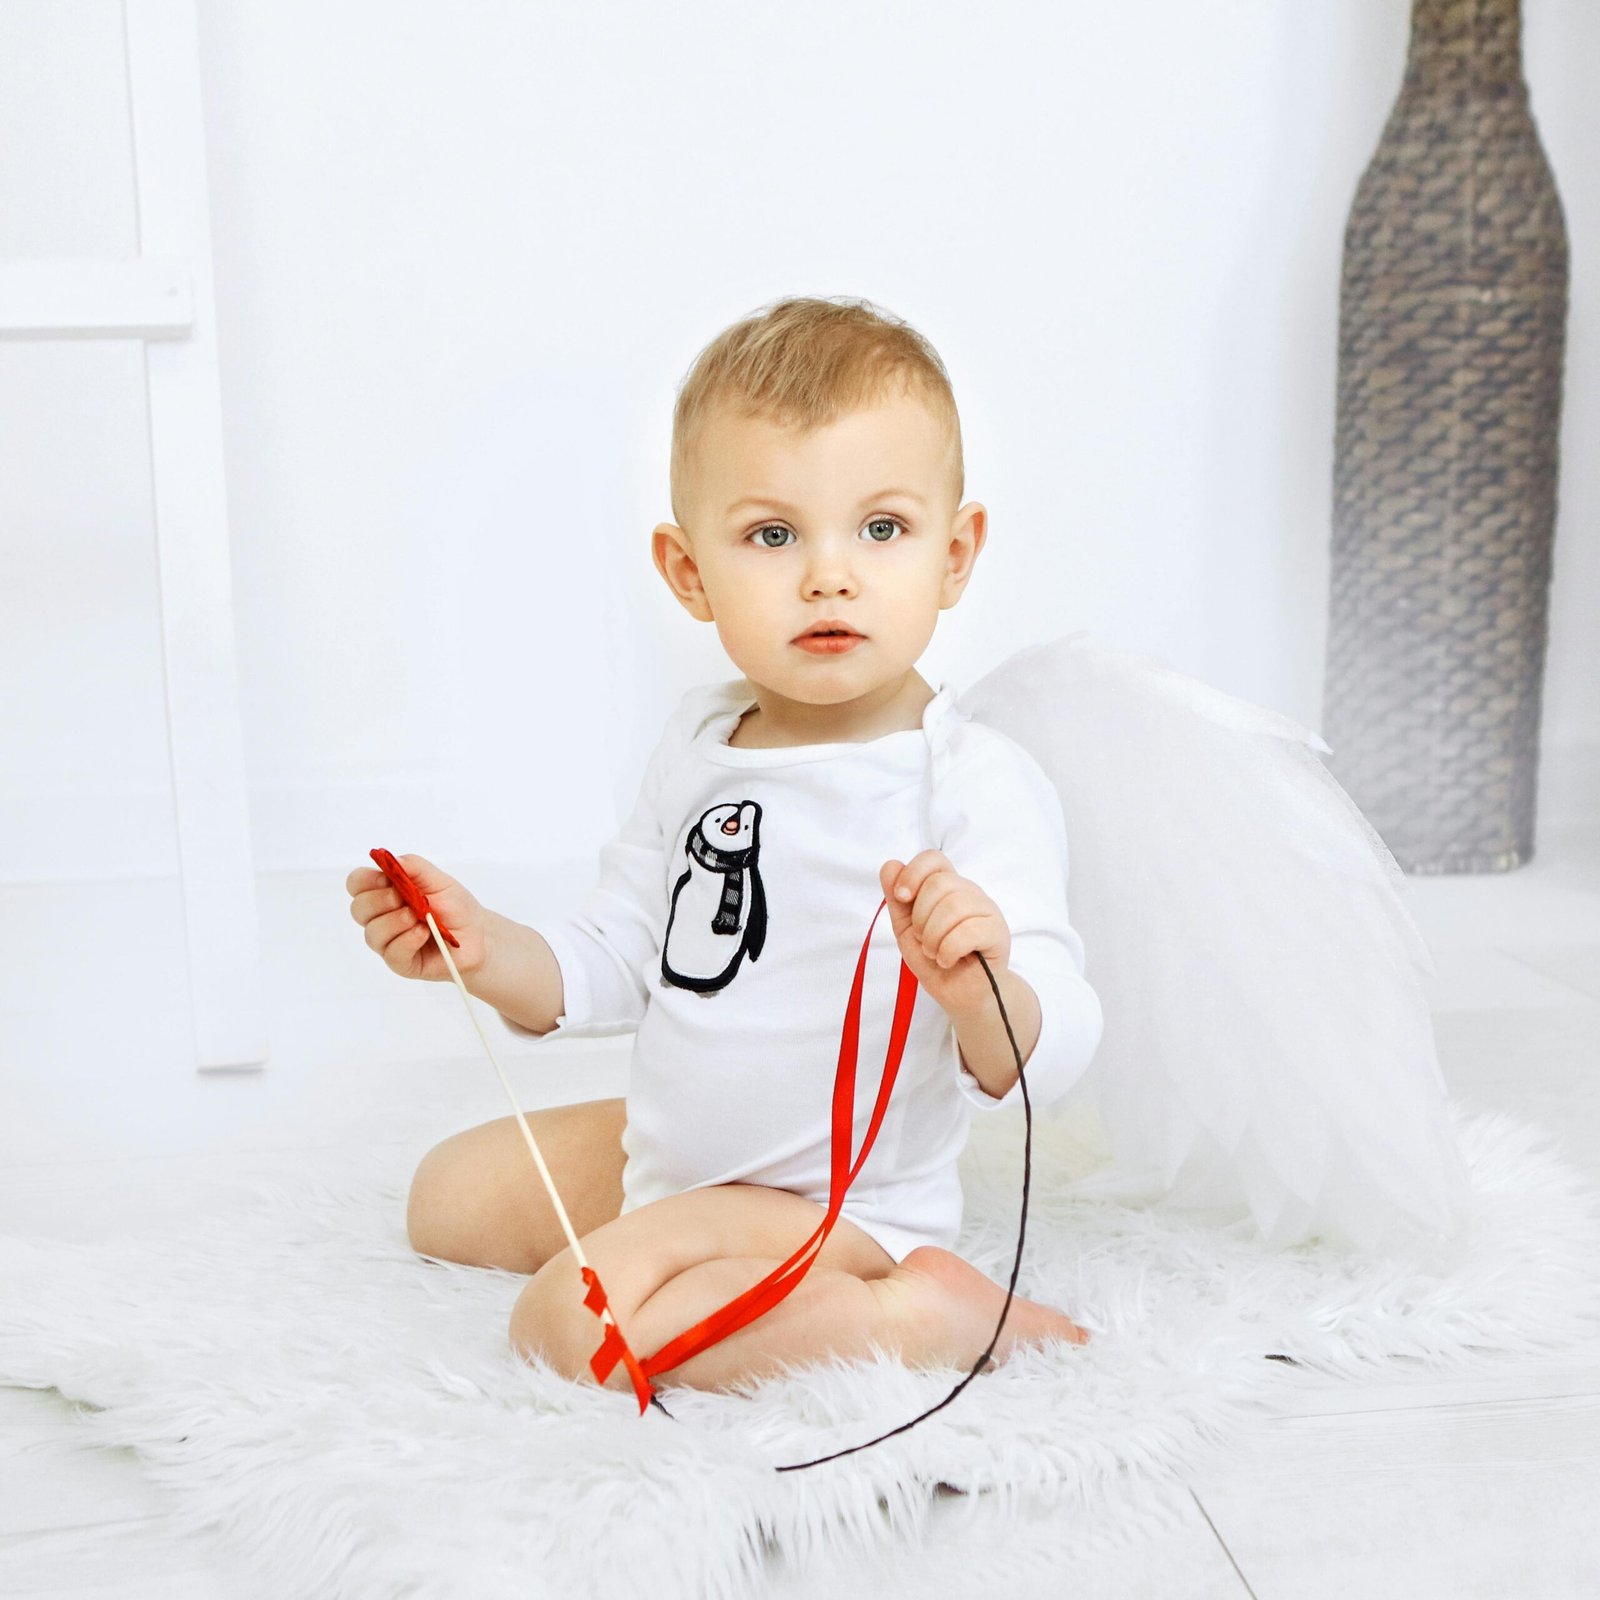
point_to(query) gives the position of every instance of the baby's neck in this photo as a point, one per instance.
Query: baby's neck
(775, 723)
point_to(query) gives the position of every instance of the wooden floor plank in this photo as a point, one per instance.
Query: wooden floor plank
(49, 1481)
(1472, 1502)
(139, 1559)
(1187, 1562)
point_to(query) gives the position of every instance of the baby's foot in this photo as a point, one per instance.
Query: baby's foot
(966, 1304)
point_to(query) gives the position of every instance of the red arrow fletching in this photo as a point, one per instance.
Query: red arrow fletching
(411, 894)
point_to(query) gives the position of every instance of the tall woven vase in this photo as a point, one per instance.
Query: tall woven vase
(1452, 331)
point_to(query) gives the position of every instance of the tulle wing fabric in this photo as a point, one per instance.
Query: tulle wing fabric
(1267, 1045)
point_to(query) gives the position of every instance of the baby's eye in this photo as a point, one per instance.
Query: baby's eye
(760, 534)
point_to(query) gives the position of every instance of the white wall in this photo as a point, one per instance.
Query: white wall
(463, 254)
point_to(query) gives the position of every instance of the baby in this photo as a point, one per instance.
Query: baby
(816, 483)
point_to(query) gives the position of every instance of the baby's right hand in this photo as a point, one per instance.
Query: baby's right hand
(404, 942)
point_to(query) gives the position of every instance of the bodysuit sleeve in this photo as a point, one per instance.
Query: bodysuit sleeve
(1002, 827)
(607, 948)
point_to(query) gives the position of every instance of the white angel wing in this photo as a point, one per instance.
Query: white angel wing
(1267, 1038)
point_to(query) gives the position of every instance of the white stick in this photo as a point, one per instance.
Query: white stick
(511, 1095)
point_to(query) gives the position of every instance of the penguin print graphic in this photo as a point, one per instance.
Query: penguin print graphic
(719, 908)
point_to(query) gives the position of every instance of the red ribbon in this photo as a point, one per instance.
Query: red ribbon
(778, 1283)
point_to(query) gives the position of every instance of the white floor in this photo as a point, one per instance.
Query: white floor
(1409, 1488)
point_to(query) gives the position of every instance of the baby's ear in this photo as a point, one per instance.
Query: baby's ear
(669, 548)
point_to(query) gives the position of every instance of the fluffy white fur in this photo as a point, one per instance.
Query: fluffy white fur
(349, 1419)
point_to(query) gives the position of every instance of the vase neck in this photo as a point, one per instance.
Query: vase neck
(1465, 45)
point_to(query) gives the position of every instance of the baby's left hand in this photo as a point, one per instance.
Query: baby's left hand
(945, 919)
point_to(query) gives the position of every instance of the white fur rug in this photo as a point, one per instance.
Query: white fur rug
(347, 1419)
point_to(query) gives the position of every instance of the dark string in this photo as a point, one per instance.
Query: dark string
(1016, 1266)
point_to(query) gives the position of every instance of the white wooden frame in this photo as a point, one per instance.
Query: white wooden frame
(164, 298)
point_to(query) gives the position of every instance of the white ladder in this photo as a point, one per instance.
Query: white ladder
(163, 297)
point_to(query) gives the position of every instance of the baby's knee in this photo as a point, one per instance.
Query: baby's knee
(440, 1193)
(550, 1322)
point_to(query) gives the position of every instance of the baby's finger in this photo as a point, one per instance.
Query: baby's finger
(383, 929)
(362, 879)
(422, 872)
(374, 902)
(943, 913)
(401, 952)
(917, 871)
(935, 899)
(961, 940)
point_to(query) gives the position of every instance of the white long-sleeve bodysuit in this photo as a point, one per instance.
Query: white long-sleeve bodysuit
(726, 925)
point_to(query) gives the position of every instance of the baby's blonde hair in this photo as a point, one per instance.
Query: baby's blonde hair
(803, 362)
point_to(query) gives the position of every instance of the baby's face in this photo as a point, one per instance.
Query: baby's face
(852, 523)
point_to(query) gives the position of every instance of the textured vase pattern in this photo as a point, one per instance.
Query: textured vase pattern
(1452, 325)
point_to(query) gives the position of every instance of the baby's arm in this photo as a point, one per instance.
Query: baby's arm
(504, 963)
(521, 979)
(1002, 848)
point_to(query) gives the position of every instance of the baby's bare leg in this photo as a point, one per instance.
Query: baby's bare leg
(712, 1242)
(830, 1314)
(933, 1310)
(671, 1263)
(477, 1196)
